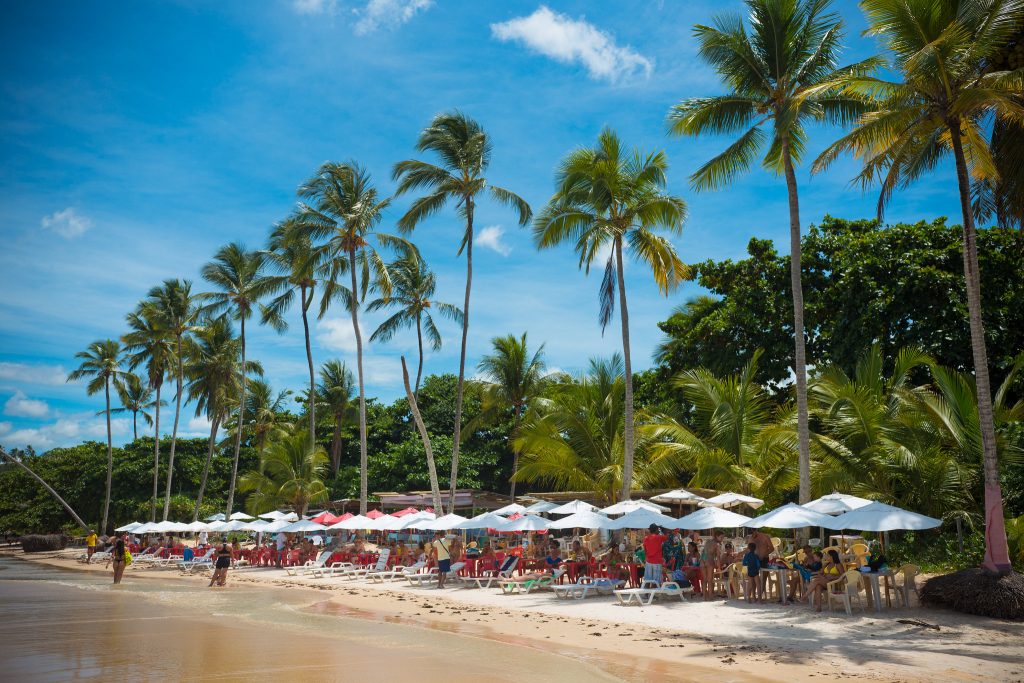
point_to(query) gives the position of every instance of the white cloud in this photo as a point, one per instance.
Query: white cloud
(490, 238)
(387, 14)
(315, 7)
(33, 374)
(6, 427)
(571, 41)
(66, 431)
(67, 223)
(20, 405)
(337, 335)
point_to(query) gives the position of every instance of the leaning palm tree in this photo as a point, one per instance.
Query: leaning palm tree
(334, 397)
(944, 103)
(607, 197)
(291, 474)
(148, 343)
(136, 398)
(101, 362)
(412, 291)
(243, 284)
(772, 73)
(343, 207)
(464, 150)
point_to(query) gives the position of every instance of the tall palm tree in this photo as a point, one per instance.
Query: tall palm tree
(175, 310)
(293, 253)
(149, 343)
(412, 291)
(772, 73)
(101, 363)
(510, 379)
(343, 206)
(267, 418)
(136, 398)
(291, 473)
(945, 101)
(334, 397)
(464, 151)
(239, 276)
(608, 197)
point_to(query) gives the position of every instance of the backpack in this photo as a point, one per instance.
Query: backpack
(127, 557)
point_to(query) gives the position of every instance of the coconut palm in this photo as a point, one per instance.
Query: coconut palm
(267, 418)
(412, 291)
(772, 73)
(343, 207)
(175, 312)
(291, 474)
(944, 103)
(464, 151)
(334, 397)
(609, 200)
(239, 275)
(148, 343)
(510, 378)
(101, 364)
(136, 398)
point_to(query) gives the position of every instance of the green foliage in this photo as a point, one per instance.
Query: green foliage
(936, 553)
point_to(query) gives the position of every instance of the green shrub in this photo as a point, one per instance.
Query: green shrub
(937, 552)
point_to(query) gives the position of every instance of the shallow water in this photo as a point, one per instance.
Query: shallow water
(59, 625)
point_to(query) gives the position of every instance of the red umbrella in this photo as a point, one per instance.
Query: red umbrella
(374, 514)
(403, 513)
(326, 518)
(347, 515)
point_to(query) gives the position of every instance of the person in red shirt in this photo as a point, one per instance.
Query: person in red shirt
(652, 552)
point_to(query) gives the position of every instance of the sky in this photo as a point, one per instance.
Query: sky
(138, 138)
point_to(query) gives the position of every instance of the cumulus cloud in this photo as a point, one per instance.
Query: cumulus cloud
(66, 431)
(337, 335)
(573, 41)
(315, 7)
(67, 223)
(20, 405)
(33, 374)
(490, 238)
(388, 14)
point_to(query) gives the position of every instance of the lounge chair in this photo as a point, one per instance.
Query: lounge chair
(524, 585)
(379, 566)
(189, 566)
(492, 576)
(650, 590)
(585, 587)
(395, 573)
(429, 576)
(310, 565)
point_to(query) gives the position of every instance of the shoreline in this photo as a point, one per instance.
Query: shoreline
(736, 642)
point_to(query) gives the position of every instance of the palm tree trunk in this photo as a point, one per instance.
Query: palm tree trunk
(156, 455)
(435, 487)
(46, 486)
(110, 460)
(174, 434)
(627, 430)
(135, 425)
(800, 353)
(309, 361)
(516, 416)
(241, 423)
(419, 368)
(997, 554)
(336, 445)
(206, 467)
(363, 461)
(456, 442)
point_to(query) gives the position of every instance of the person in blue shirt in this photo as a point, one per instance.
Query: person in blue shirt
(753, 589)
(554, 558)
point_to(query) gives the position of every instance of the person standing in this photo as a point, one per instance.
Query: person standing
(280, 541)
(443, 556)
(90, 545)
(764, 550)
(220, 568)
(752, 587)
(204, 539)
(653, 559)
(118, 559)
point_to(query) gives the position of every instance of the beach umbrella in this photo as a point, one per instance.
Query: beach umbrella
(277, 514)
(511, 509)
(144, 528)
(352, 523)
(641, 518)
(625, 506)
(197, 526)
(215, 526)
(257, 525)
(540, 507)
(836, 504)
(877, 516)
(446, 523)
(129, 527)
(219, 517)
(711, 518)
(678, 497)
(573, 507)
(275, 526)
(789, 516)
(406, 511)
(374, 514)
(384, 523)
(342, 518)
(582, 520)
(731, 500)
(302, 526)
(326, 518)
(524, 523)
(415, 520)
(233, 525)
(487, 520)
(236, 516)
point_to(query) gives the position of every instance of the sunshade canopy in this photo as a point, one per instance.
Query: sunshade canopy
(641, 518)
(581, 520)
(877, 516)
(446, 523)
(572, 507)
(303, 525)
(711, 518)
(510, 509)
(539, 507)
(352, 523)
(525, 523)
(241, 516)
(624, 506)
(129, 527)
(789, 516)
(678, 496)
(836, 504)
(731, 500)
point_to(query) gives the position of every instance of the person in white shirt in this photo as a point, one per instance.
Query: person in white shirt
(317, 540)
(204, 538)
(281, 540)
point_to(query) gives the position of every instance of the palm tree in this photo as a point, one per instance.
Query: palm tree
(773, 73)
(464, 150)
(175, 312)
(136, 398)
(334, 396)
(344, 207)
(149, 343)
(947, 98)
(412, 291)
(510, 379)
(606, 197)
(291, 473)
(293, 253)
(101, 361)
(239, 275)
(267, 419)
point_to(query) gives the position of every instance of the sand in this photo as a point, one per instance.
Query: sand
(695, 640)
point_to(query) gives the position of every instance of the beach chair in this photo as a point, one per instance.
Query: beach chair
(381, 565)
(490, 577)
(735, 575)
(860, 554)
(421, 578)
(845, 589)
(318, 563)
(189, 566)
(909, 573)
(586, 587)
(395, 573)
(644, 595)
(510, 586)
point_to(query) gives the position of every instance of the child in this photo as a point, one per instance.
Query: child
(753, 564)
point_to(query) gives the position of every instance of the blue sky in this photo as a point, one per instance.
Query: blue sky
(137, 138)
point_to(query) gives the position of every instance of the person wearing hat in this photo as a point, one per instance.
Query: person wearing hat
(442, 554)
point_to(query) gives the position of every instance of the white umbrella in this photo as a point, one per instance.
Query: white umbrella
(303, 525)
(525, 523)
(219, 517)
(789, 516)
(198, 526)
(731, 500)
(129, 527)
(233, 525)
(877, 516)
(277, 514)
(511, 509)
(257, 525)
(240, 516)
(352, 523)
(446, 523)
(678, 496)
(539, 507)
(144, 528)
(641, 518)
(581, 520)
(572, 507)
(385, 523)
(165, 526)
(487, 520)
(836, 503)
(417, 520)
(711, 518)
(275, 526)
(216, 526)
(625, 506)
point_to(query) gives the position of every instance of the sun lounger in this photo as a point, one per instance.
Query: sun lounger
(646, 594)
(586, 587)
(430, 576)
(493, 576)
(310, 565)
(510, 586)
(189, 566)
(395, 573)
(358, 572)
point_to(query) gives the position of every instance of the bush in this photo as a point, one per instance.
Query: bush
(38, 543)
(936, 553)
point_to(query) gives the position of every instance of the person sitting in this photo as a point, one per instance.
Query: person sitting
(691, 566)
(472, 550)
(554, 557)
(729, 554)
(831, 569)
(805, 563)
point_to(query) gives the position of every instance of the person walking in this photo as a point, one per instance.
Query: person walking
(118, 559)
(653, 559)
(90, 545)
(220, 568)
(443, 556)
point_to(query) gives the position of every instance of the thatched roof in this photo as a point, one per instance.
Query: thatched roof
(977, 591)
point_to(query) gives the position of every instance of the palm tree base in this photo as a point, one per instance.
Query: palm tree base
(977, 591)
